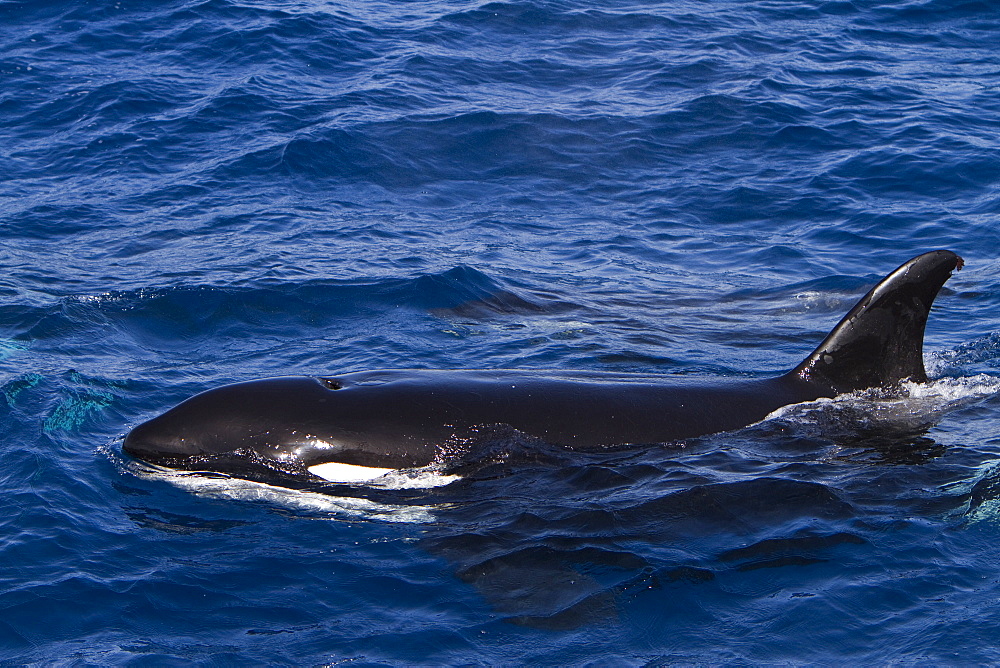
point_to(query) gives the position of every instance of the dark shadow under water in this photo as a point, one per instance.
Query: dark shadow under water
(559, 539)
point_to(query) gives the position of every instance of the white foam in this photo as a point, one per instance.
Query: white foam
(795, 409)
(323, 506)
(956, 389)
(414, 479)
(915, 400)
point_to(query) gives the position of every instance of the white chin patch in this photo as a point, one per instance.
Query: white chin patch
(335, 472)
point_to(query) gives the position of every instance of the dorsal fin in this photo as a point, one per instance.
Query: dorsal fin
(880, 342)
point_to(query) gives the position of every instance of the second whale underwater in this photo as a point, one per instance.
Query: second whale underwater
(357, 427)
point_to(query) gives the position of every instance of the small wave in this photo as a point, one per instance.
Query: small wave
(10, 348)
(984, 494)
(984, 350)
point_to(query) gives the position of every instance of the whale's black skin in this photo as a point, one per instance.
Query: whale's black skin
(407, 418)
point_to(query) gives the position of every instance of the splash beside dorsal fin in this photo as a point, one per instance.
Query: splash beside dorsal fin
(880, 342)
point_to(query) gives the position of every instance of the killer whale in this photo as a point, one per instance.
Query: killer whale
(359, 426)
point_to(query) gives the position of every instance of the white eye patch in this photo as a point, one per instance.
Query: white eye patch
(337, 472)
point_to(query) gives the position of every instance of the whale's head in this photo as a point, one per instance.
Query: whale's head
(276, 420)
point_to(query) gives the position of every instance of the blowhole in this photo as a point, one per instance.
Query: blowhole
(332, 383)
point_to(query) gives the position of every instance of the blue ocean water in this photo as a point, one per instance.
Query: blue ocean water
(196, 192)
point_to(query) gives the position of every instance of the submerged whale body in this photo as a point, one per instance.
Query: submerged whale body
(359, 426)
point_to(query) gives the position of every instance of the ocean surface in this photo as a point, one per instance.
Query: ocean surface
(198, 192)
